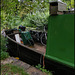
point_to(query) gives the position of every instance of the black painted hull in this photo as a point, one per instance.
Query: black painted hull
(34, 57)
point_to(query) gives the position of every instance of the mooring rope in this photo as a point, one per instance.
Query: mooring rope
(44, 60)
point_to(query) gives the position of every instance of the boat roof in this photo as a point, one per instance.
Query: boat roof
(57, 2)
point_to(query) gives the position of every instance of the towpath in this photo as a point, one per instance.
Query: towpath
(28, 68)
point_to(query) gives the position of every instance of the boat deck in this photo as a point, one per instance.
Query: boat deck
(39, 47)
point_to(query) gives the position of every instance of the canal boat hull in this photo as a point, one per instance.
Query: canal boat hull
(35, 57)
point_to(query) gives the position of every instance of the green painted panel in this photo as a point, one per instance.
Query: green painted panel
(60, 42)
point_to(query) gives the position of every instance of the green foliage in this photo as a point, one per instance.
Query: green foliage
(30, 13)
(43, 69)
(72, 3)
(9, 6)
(36, 19)
(14, 13)
(9, 69)
(38, 66)
(6, 74)
(3, 43)
(29, 20)
(4, 54)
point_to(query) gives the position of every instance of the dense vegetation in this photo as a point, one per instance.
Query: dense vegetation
(4, 54)
(27, 13)
(30, 13)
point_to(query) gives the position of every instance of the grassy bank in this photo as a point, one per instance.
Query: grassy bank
(9, 69)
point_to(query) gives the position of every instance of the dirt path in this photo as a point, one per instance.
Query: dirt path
(28, 68)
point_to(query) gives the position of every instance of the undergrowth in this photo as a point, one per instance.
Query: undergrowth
(9, 69)
(43, 69)
(3, 52)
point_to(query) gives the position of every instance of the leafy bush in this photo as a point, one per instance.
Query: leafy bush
(4, 54)
(10, 21)
(3, 43)
(29, 20)
(36, 19)
(20, 13)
